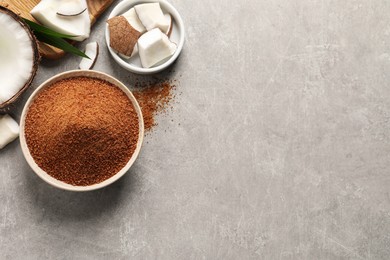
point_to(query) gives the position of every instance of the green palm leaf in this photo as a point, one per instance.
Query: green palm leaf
(54, 38)
(42, 29)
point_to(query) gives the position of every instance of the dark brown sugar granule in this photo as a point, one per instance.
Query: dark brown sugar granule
(82, 130)
(153, 99)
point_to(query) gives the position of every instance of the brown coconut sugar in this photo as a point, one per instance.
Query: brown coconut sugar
(82, 130)
(153, 98)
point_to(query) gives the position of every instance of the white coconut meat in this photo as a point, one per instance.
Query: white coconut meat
(92, 51)
(9, 130)
(77, 25)
(169, 20)
(135, 52)
(155, 47)
(72, 7)
(151, 16)
(132, 17)
(18, 56)
(134, 21)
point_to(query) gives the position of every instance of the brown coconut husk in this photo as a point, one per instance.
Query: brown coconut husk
(123, 36)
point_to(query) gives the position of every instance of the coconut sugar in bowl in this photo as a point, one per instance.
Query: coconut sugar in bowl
(81, 130)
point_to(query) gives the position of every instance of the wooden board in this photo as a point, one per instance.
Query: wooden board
(23, 8)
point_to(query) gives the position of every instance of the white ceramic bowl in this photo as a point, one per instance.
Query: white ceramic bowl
(57, 183)
(177, 36)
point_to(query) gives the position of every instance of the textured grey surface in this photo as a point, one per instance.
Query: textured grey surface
(278, 146)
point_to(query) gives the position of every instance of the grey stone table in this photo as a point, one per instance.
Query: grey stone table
(277, 147)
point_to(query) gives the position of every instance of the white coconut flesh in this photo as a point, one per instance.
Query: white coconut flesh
(78, 25)
(132, 17)
(17, 56)
(72, 7)
(135, 52)
(92, 51)
(9, 130)
(151, 16)
(155, 47)
(168, 18)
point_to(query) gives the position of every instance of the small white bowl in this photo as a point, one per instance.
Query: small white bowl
(57, 183)
(177, 36)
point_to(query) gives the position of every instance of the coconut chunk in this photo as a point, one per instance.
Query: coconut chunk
(72, 7)
(151, 16)
(123, 36)
(154, 47)
(92, 51)
(169, 20)
(46, 13)
(9, 130)
(135, 52)
(18, 56)
(132, 17)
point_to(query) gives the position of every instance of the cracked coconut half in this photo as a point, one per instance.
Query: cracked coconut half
(19, 57)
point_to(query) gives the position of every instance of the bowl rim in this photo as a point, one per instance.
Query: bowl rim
(60, 184)
(138, 70)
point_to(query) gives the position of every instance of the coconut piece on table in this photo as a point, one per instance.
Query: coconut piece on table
(151, 16)
(78, 25)
(92, 51)
(154, 47)
(9, 130)
(123, 36)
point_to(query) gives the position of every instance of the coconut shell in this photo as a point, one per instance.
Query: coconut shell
(70, 15)
(37, 57)
(123, 36)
